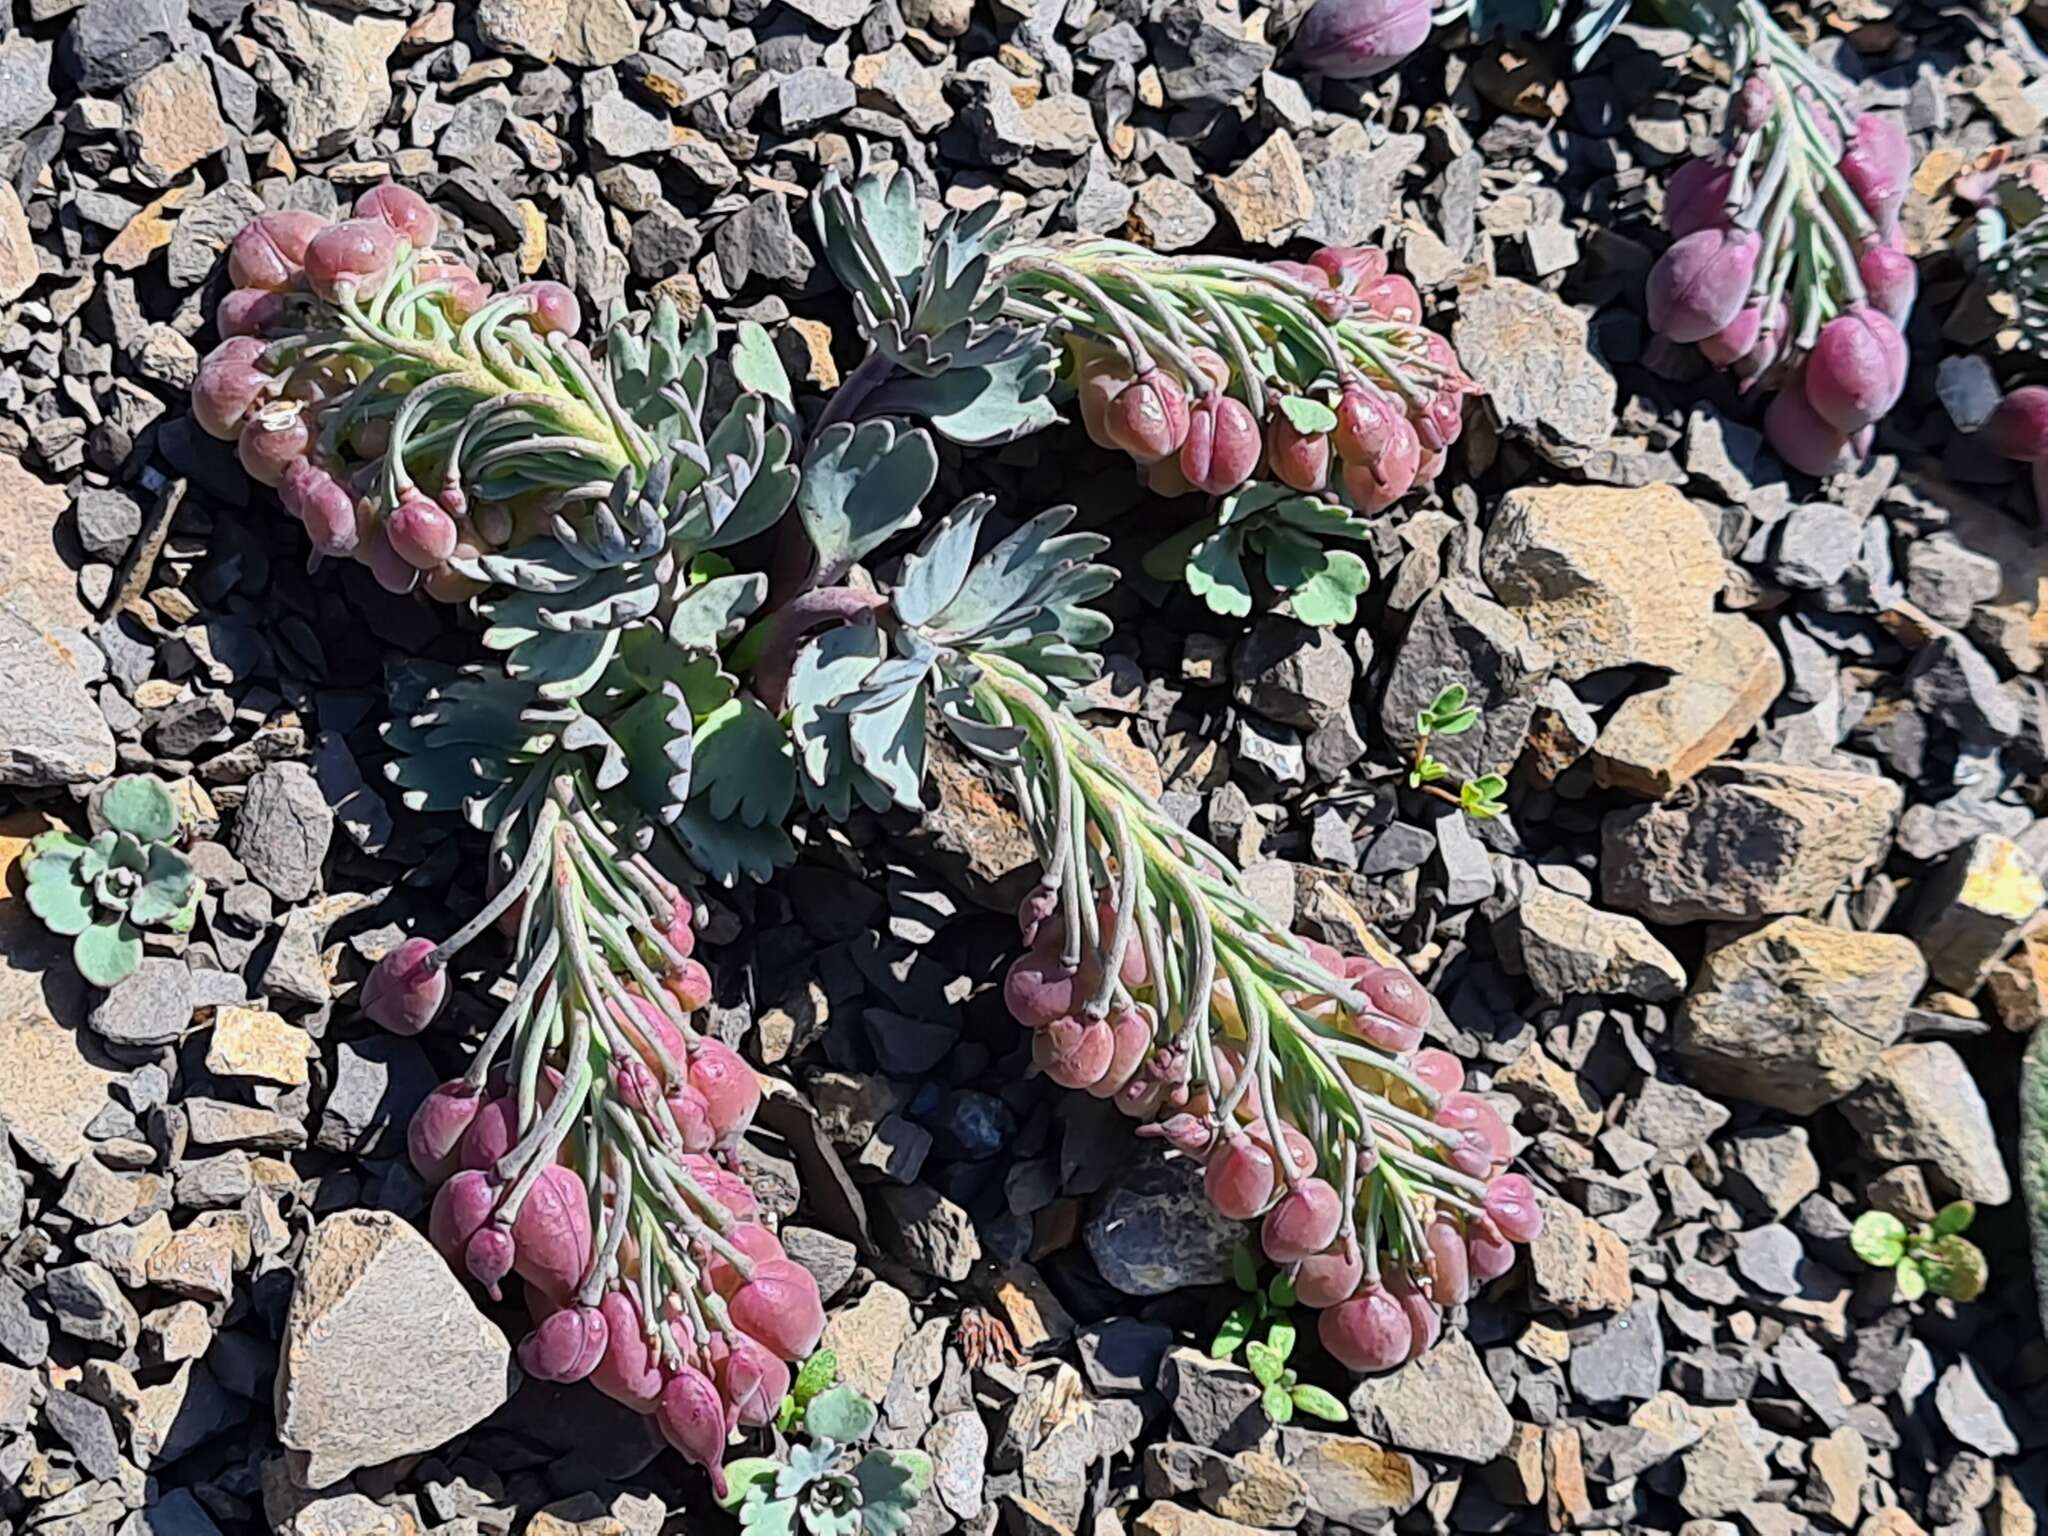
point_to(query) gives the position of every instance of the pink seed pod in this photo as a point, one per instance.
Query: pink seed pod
(1149, 420)
(1040, 988)
(1488, 1255)
(1378, 446)
(1425, 1322)
(250, 312)
(346, 256)
(1357, 39)
(1303, 1222)
(554, 308)
(690, 985)
(752, 1239)
(489, 1257)
(421, 532)
(680, 930)
(1392, 297)
(273, 438)
(1857, 369)
(268, 251)
(1878, 166)
(1039, 907)
(1131, 1032)
(1164, 479)
(391, 570)
(326, 511)
(1240, 1177)
(1369, 1332)
(1074, 1052)
(1892, 281)
(721, 1184)
(492, 1130)
(230, 385)
(1696, 197)
(1463, 1111)
(465, 293)
(691, 1417)
(433, 1138)
(753, 1383)
(1298, 459)
(1221, 446)
(730, 1088)
(460, 1209)
(630, 1370)
(1097, 383)
(552, 1231)
(1733, 341)
(1375, 1028)
(1301, 1152)
(1156, 1083)
(1329, 1278)
(1700, 284)
(566, 1345)
(2018, 429)
(1132, 968)
(693, 1119)
(1350, 267)
(1394, 992)
(403, 992)
(779, 1306)
(1754, 102)
(1799, 436)
(404, 210)
(1511, 1206)
(647, 1024)
(1302, 272)
(1440, 1071)
(1450, 1273)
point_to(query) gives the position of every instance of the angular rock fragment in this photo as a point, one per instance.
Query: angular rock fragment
(1971, 910)
(1657, 740)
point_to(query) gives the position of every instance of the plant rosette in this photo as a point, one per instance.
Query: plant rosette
(106, 892)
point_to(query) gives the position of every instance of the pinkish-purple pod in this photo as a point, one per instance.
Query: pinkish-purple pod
(1511, 1206)
(731, 1089)
(268, 251)
(1040, 987)
(691, 1416)
(275, 437)
(1729, 345)
(565, 1345)
(392, 571)
(433, 1138)
(1041, 905)
(629, 1371)
(465, 292)
(693, 1119)
(1488, 1255)
(1696, 197)
(1325, 1279)
(753, 1382)
(492, 1130)
(1357, 39)
(1369, 1332)
(1298, 459)
(552, 1231)
(1240, 1177)
(355, 253)
(461, 1207)
(1149, 420)
(231, 384)
(1798, 435)
(1350, 267)
(249, 312)
(554, 308)
(1425, 1322)
(1892, 281)
(1131, 1032)
(489, 1256)
(1221, 448)
(1450, 1272)
(2018, 428)
(1074, 1052)
(325, 509)
(752, 1239)
(1878, 166)
(1302, 1223)
(1702, 282)
(779, 1306)
(403, 992)
(409, 215)
(689, 984)
(1857, 369)
(421, 531)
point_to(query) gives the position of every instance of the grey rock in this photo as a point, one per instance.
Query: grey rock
(1292, 673)
(1100, 202)
(1568, 948)
(1622, 1359)
(1673, 1118)
(760, 241)
(958, 1446)
(1357, 184)
(294, 969)
(284, 829)
(1204, 58)
(1170, 215)
(831, 1260)
(13, 1189)
(934, 1236)
(1271, 754)
(1973, 909)
(1751, 840)
(369, 1290)
(378, 1083)
(1814, 1378)
(1770, 1258)
(330, 70)
(620, 126)
(181, 729)
(85, 1426)
(108, 43)
(1725, 1470)
(1459, 634)
(1951, 680)
(153, 1006)
(1440, 1404)
(1215, 1404)
(25, 94)
(108, 519)
(1528, 351)
(1398, 846)
(1154, 1232)
(811, 96)
(1973, 1412)
(1947, 580)
(1816, 545)
(1123, 1355)
(87, 1303)
(51, 730)
(1770, 1169)
(1462, 860)
(1920, 1104)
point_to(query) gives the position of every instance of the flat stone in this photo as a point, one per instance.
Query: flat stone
(1154, 1232)
(1919, 1104)
(25, 94)
(151, 1006)
(1972, 1412)
(1551, 1091)
(934, 1235)
(1621, 1360)
(1577, 1266)
(1568, 948)
(174, 120)
(1658, 739)
(283, 830)
(1973, 908)
(1724, 1470)
(1268, 196)
(1606, 577)
(1439, 1404)
(330, 70)
(1215, 1404)
(370, 1290)
(1770, 1169)
(51, 729)
(1528, 352)
(1350, 1481)
(1461, 635)
(867, 1336)
(256, 1043)
(1752, 840)
(1168, 215)
(1794, 1015)
(1770, 1259)
(87, 1303)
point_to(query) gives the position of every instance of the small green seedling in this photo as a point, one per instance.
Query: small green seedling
(1449, 715)
(1267, 1357)
(816, 1374)
(830, 1486)
(105, 892)
(1935, 1257)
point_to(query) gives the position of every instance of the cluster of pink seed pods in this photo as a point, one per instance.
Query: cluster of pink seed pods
(297, 415)
(1788, 265)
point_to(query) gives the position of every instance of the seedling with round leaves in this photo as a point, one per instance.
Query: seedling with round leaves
(1448, 714)
(833, 1484)
(1932, 1258)
(1260, 1326)
(105, 892)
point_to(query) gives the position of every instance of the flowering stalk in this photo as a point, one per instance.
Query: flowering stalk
(1789, 266)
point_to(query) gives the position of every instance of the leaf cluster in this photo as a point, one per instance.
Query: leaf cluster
(1282, 1393)
(1934, 1257)
(1448, 714)
(1284, 536)
(105, 892)
(830, 1486)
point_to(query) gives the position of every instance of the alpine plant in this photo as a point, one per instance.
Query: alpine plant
(1788, 265)
(652, 717)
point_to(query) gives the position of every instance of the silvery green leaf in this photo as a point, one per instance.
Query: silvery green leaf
(63, 902)
(727, 850)
(827, 670)
(873, 238)
(860, 487)
(608, 600)
(931, 577)
(1215, 574)
(769, 1517)
(888, 741)
(649, 357)
(752, 484)
(169, 890)
(839, 1413)
(657, 737)
(107, 953)
(1010, 575)
(139, 805)
(744, 768)
(995, 402)
(757, 366)
(562, 666)
(710, 613)
(583, 734)
(540, 566)
(980, 736)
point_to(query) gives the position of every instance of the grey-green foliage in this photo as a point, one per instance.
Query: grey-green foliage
(1284, 536)
(834, 1485)
(1935, 1257)
(106, 891)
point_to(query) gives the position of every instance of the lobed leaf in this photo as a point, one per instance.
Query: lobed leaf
(141, 806)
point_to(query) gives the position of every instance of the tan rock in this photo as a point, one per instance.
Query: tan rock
(974, 833)
(1033, 1312)
(173, 120)
(867, 1337)
(1352, 1481)
(1890, 1521)
(1268, 196)
(1516, 1476)
(254, 1042)
(598, 33)
(1568, 947)
(1795, 1014)
(2019, 983)
(371, 1292)
(1164, 1519)
(1568, 1505)
(198, 1262)
(1606, 577)
(19, 266)
(1837, 1466)
(1259, 1491)
(1972, 909)
(1550, 1090)
(1578, 1266)
(1659, 739)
